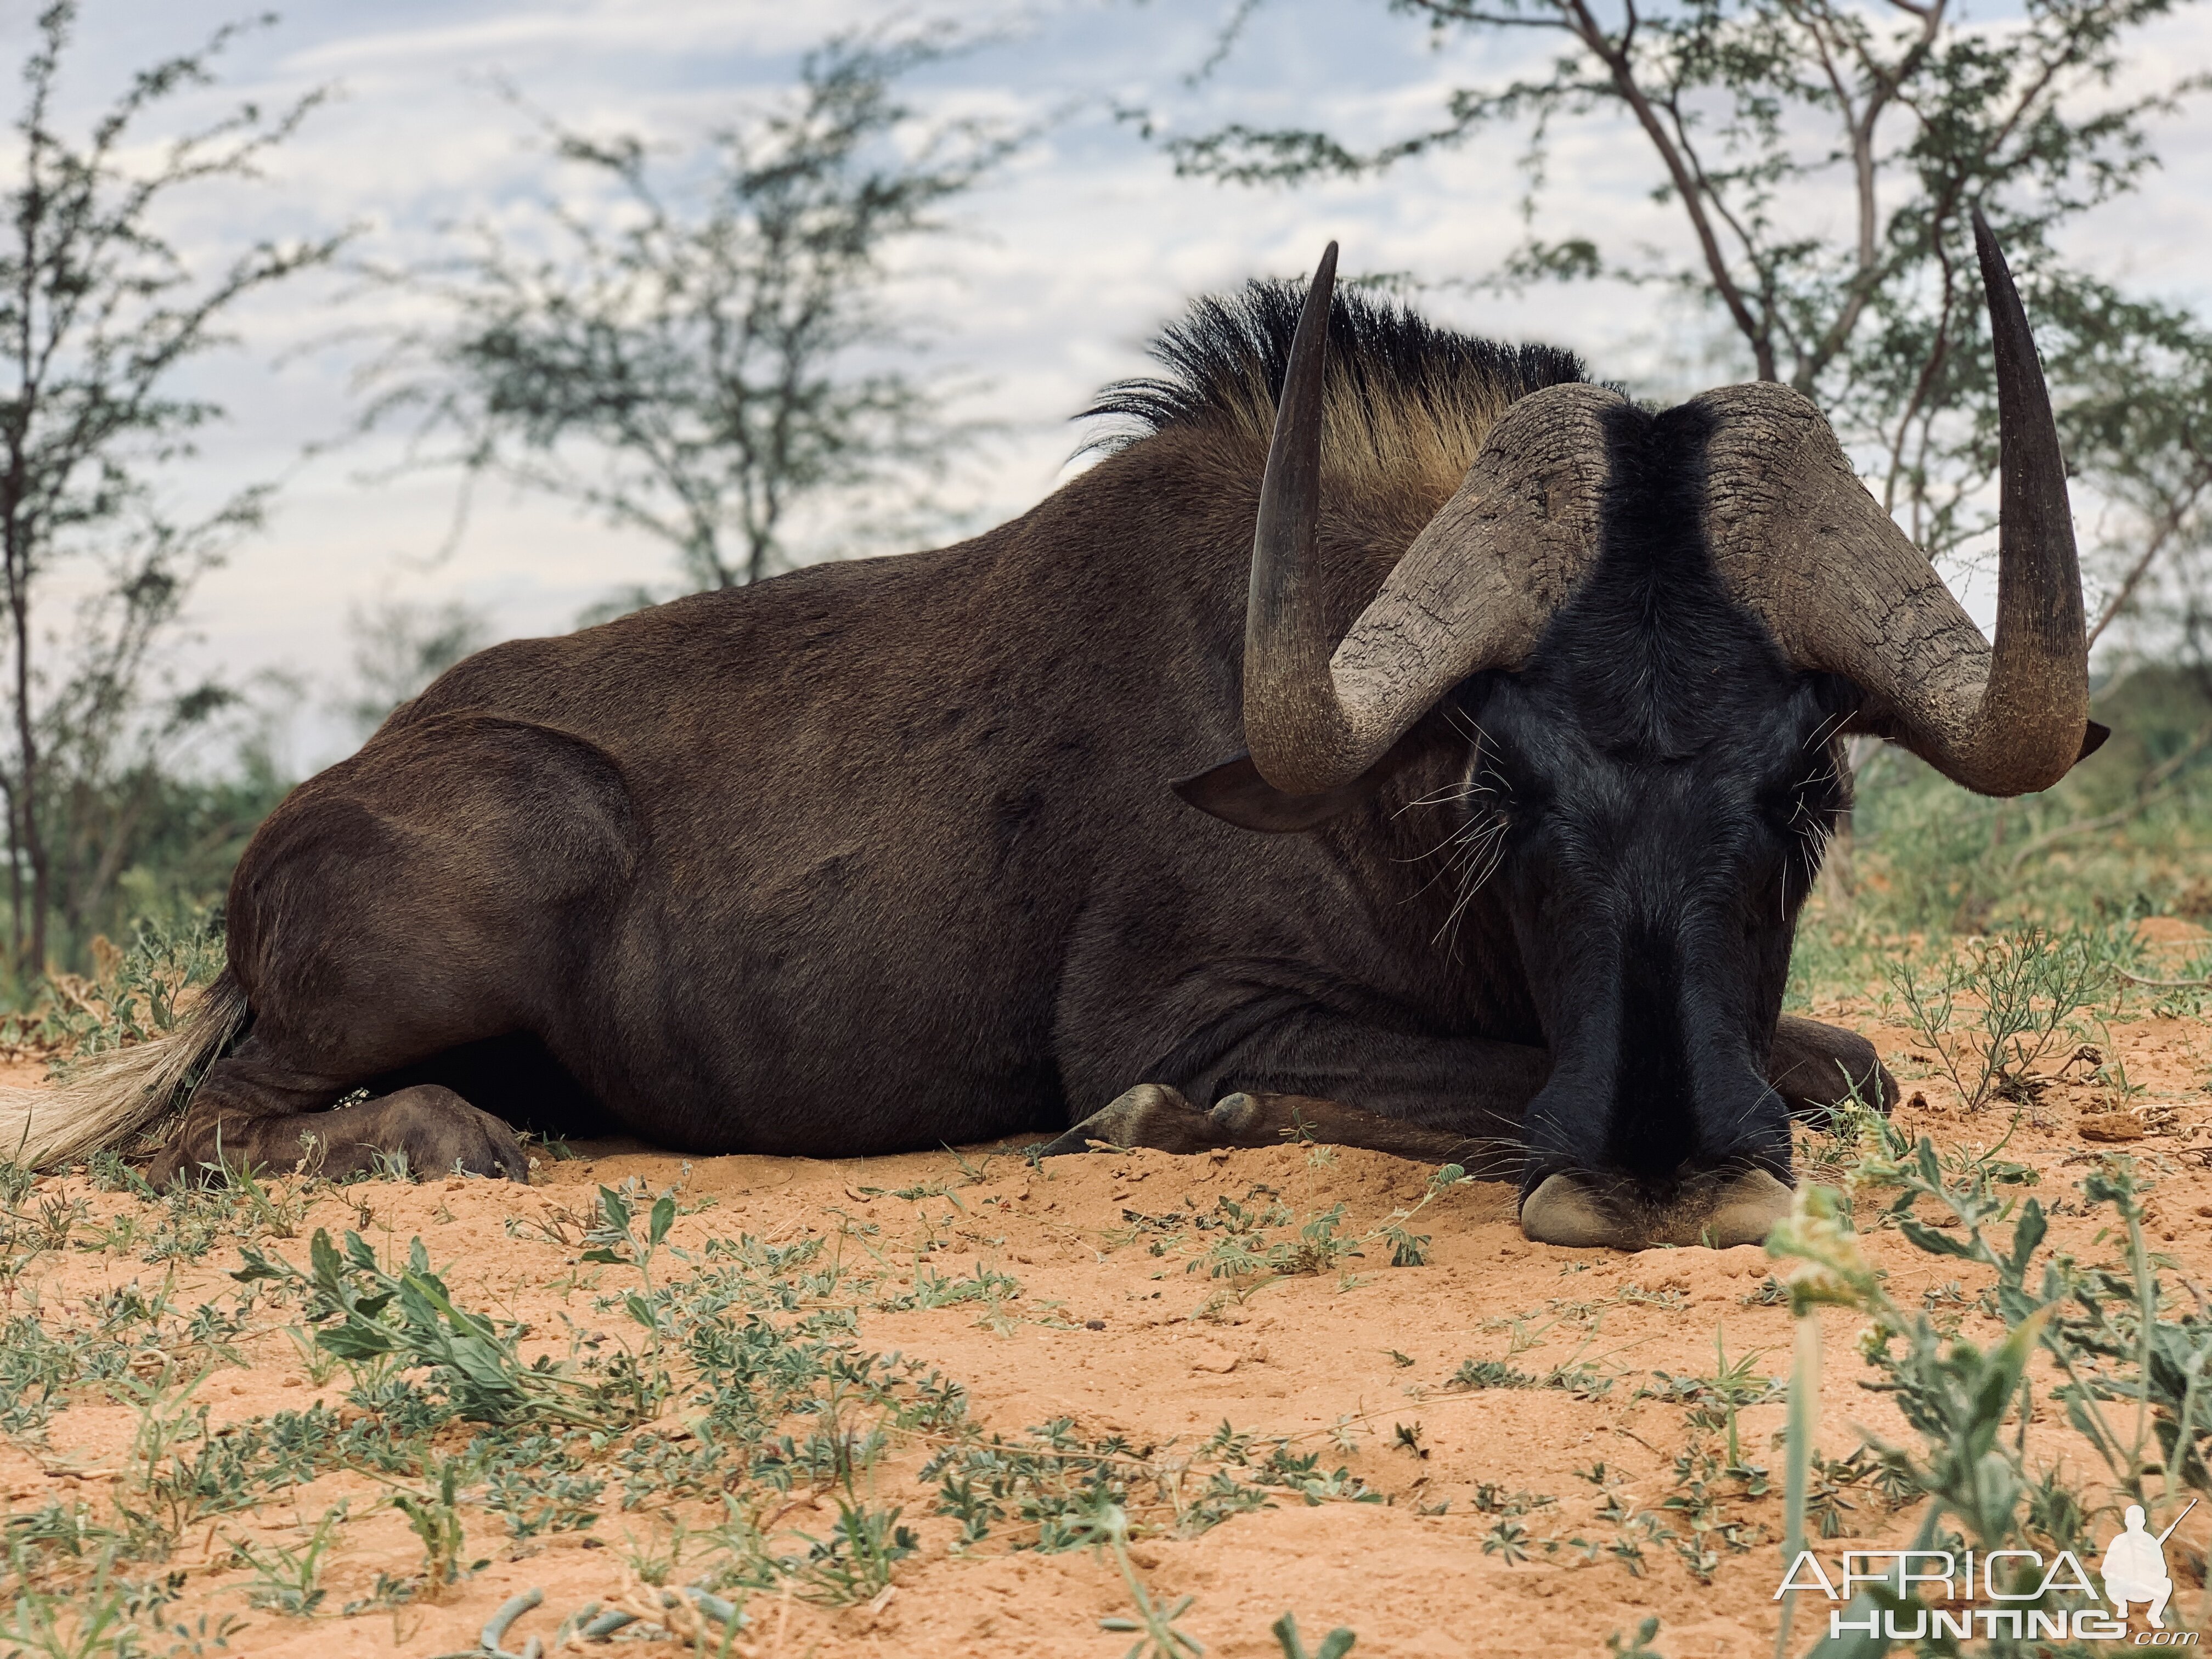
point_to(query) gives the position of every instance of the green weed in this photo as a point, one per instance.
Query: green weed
(1489, 1373)
(1507, 1540)
(1334, 1645)
(538, 1485)
(1245, 1255)
(140, 995)
(2108, 1330)
(434, 1516)
(2020, 991)
(1158, 1638)
(616, 1239)
(178, 1470)
(284, 1580)
(369, 1314)
(1715, 1398)
(656, 1563)
(89, 1621)
(855, 1562)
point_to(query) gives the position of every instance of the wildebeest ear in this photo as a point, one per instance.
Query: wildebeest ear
(1235, 793)
(2092, 740)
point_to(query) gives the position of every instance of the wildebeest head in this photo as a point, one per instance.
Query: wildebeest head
(1658, 626)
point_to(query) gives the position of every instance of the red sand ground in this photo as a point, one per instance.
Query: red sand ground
(1121, 1340)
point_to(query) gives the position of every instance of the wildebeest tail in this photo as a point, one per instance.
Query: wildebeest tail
(106, 1099)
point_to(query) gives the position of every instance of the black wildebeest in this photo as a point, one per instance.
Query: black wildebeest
(1541, 689)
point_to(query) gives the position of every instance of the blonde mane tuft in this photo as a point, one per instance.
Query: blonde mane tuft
(1408, 403)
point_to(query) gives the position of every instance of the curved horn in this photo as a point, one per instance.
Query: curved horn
(1290, 715)
(2035, 706)
(1803, 544)
(1473, 592)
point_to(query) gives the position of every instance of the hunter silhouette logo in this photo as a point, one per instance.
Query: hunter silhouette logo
(1968, 1597)
(2134, 1567)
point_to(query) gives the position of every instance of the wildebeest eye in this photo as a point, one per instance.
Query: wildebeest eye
(1493, 792)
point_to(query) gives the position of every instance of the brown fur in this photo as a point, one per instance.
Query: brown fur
(1405, 405)
(882, 854)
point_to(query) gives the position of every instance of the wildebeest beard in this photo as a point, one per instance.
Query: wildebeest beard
(1661, 785)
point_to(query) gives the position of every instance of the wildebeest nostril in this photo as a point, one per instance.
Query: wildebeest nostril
(1740, 1208)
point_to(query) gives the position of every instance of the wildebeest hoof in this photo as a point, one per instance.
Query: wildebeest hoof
(434, 1130)
(169, 1167)
(1816, 1067)
(1236, 1114)
(1151, 1114)
(1743, 1210)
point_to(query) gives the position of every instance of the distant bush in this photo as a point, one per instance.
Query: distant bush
(2128, 834)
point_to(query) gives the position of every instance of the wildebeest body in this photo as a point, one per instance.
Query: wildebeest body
(880, 853)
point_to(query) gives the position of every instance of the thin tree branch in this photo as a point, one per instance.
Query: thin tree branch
(1587, 29)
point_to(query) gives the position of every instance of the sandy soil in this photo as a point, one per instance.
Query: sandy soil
(1111, 1330)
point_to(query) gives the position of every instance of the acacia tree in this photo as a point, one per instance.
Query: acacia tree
(400, 646)
(1757, 119)
(703, 351)
(2139, 420)
(99, 311)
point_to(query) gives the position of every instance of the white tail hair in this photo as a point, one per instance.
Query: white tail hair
(108, 1098)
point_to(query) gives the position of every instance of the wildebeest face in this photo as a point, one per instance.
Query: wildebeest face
(1659, 783)
(1658, 623)
(1650, 843)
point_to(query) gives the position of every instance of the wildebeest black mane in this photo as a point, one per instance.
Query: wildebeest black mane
(1401, 389)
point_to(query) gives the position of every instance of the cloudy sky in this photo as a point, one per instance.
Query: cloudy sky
(1065, 264)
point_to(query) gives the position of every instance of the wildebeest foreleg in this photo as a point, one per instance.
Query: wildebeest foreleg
(1326, 1077)
(1447, 1100)
(1151, 1114)
(1154, 1115)
(1267, 1120)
